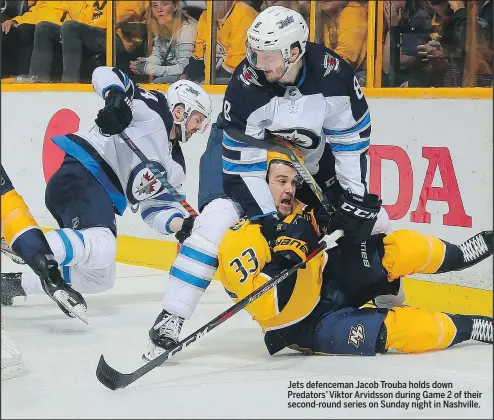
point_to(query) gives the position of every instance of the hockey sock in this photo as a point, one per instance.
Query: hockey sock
(470, 252)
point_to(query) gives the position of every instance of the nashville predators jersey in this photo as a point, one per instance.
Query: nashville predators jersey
(231, 34)
(20, 230)
(245, 264)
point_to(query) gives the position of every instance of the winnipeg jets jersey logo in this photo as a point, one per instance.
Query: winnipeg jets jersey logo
(300, 137)
(249, 76)
(142, 184)
(330, 63)
(147, 184)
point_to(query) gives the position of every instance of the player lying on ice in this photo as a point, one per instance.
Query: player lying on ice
(317, 310)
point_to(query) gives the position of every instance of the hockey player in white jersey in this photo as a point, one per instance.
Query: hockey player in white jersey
(286, 88)
(100, 176)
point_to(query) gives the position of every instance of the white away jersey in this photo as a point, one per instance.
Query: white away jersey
(126, 179)
(325, 105)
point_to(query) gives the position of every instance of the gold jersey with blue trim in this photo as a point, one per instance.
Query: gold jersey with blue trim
(244, 260)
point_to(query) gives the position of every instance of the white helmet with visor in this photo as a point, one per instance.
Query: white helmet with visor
(272, 35)
(194, 98)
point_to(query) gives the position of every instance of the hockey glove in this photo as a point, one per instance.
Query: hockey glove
(319, 218)
(356, 215)
(116, 116)
(270, 225)
(186, 229)
(296, 239)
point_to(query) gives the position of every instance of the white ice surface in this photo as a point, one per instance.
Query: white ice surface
(226, 374)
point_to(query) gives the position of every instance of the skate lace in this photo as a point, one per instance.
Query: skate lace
(482, 330)
(171, 327)
(473, 248)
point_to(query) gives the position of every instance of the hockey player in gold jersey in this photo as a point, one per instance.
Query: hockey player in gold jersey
(318, 309)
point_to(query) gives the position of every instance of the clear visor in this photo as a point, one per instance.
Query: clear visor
(264, 60)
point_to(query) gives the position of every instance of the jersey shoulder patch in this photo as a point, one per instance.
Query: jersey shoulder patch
(331, 70)
(239, 224)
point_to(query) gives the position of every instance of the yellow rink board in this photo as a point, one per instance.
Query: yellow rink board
(432, 296)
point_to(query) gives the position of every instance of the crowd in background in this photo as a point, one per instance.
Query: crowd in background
(425, 43)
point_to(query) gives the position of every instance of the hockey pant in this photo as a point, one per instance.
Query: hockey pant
(368, 331)
(85, 244)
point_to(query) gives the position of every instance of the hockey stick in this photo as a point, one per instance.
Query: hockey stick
(157, 174)
(302, 170)
(114, 379)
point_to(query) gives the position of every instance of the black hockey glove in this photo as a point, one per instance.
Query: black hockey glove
(116, 116)
(269, 227)
(295, 240)
(356, 216)
(186, 229)
(319, 218)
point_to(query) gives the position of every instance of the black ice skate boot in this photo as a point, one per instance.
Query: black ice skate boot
(470, 252)
(472, 327)
(482, 329)
(69, 300)
(163, 336)
(7, 250)
(11, 287)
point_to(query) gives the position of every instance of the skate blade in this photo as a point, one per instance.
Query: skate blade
(78, 311)
(152, 353)
(6, 250)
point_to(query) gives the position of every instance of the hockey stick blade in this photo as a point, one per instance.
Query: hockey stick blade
(157, 174)
(113, 379)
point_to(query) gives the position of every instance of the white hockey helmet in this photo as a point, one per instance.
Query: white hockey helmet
(276, 29)
(193, 98)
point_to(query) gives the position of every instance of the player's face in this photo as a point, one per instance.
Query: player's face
(195, 123)
(283, 184)
(271, 63)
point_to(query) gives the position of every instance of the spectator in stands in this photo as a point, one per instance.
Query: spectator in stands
(18, 35)
(446, 53)
(233, 18)
(303, 7)
(89, 36)
(345, 32)
(174, 34)
(414, 19)
(48, 36)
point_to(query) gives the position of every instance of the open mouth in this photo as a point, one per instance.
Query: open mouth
(286, 203)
